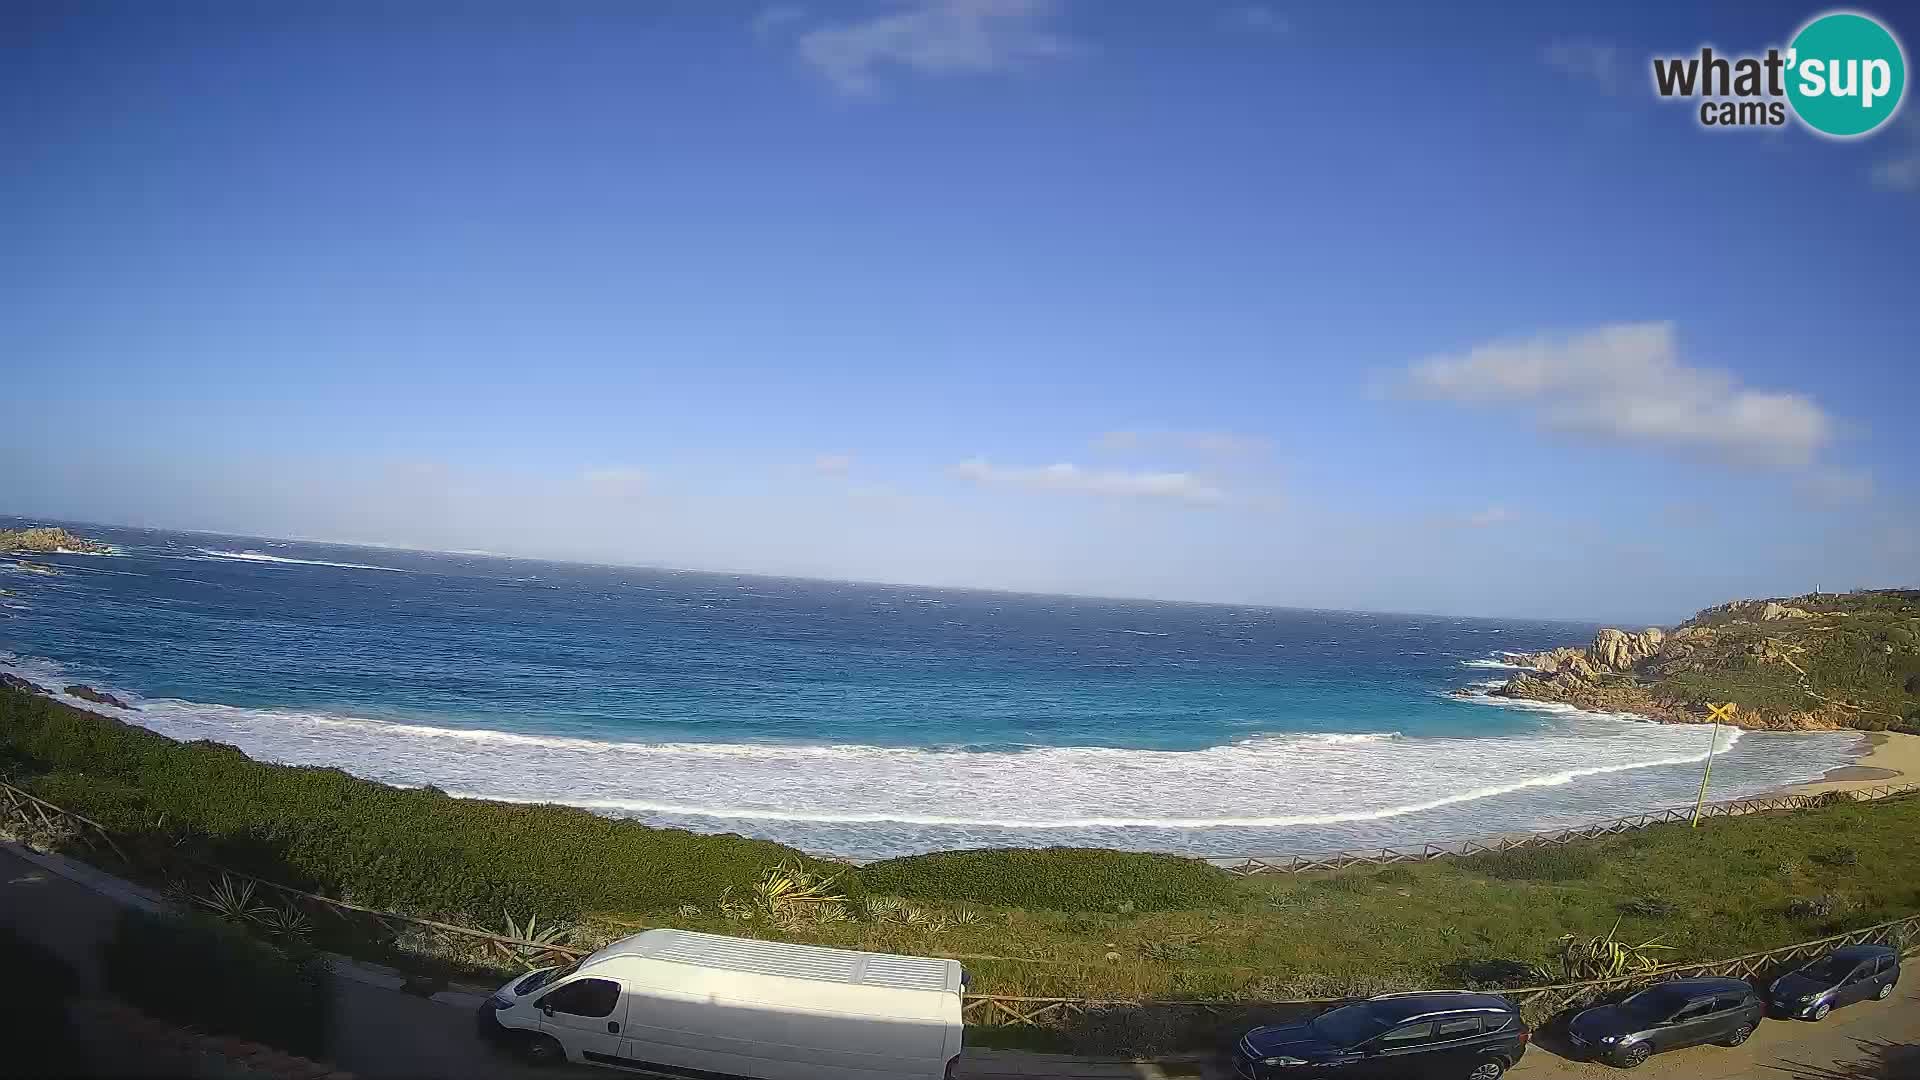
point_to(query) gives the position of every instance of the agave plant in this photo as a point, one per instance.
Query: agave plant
(231, 899)
(1589, 959)
(286, 922)
(531, 955)
(789, 894)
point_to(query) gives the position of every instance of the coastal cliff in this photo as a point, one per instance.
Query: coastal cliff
(48, 541)
(1822, 661)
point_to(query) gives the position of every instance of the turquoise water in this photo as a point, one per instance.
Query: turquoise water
(860, 719)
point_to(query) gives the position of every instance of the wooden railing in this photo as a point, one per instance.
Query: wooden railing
(1250, 865)
(28, 810)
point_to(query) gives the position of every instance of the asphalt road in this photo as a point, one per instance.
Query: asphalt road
(387, 1033)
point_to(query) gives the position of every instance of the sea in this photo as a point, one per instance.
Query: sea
(859, 720)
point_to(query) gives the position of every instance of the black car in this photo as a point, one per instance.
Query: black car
(1442, 1034)
(1685, 1012)
(1842, 977)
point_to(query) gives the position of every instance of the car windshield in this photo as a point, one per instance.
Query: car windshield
(1348, 1025)
(1655, 1004)
(1829, 970)
(541, 978)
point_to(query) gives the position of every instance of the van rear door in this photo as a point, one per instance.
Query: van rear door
(586, 1015)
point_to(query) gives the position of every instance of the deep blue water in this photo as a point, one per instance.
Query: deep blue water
(863, 719)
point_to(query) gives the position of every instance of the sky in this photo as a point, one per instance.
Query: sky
(1408, 307)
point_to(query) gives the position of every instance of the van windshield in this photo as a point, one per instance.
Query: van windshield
(541, 978)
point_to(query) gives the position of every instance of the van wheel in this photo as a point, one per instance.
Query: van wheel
(1636, 1056)
(1738, 1035)
(543, 1050)
(1490, 1069)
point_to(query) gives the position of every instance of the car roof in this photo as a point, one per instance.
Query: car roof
(1860, 952)
(1691, 987)
(1395, 1008)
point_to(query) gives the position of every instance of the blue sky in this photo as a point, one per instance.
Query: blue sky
(1395, 306)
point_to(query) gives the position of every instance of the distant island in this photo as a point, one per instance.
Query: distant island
(1820, 661)
(48, 541)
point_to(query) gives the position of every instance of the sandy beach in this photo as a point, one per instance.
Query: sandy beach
(1891, 758)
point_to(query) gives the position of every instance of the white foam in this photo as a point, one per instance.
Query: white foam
(1499, 664)
(259, 557)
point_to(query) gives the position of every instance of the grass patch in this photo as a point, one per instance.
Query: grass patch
(1061, 879)
(1568, 863)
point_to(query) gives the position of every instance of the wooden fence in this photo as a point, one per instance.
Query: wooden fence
(26, 809)
(1250, 865)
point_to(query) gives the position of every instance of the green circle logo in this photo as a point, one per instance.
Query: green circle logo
(1845, 74)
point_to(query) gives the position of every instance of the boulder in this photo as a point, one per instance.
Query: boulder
(1775, 611)
(88, 693)
(15, 682)
(1618, 650)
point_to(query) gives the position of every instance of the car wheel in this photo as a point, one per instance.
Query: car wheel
(543, 1050)
(1738, 1035)
(1490, 1069)
(1636, 1056)
(1885, 993)
(1820, 1011)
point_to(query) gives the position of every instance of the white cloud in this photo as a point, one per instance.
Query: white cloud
(624, 482)
(1898, 174)
(1492, 515)
(1836, 485)
(771, 19)
(1587, 60)
(1626, 383)
(1216, 443)
(833, 464)
(933, 37)
(1173, 486)
(1254, 18)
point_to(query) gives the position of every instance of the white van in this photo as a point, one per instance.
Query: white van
(680, 1004)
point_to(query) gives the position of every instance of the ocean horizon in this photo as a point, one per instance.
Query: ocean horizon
(855, 719)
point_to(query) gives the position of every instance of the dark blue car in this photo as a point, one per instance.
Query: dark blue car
(1842, 977)
(1439, 1034)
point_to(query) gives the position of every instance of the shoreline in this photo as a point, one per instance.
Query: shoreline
(1886, 757)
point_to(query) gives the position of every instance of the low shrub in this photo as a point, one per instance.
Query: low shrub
(1553, 863)
(385, 847)
(204, 974)
(1059, 879)
(1650, 907)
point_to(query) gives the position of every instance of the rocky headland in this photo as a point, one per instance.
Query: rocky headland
(50, 541)
(1824, 661)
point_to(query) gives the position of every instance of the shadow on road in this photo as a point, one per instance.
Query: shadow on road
(1877, 1059)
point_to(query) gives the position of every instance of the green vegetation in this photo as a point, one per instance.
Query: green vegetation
(1852, 657)
(211, 976)
(45, 539)
(1063, 879)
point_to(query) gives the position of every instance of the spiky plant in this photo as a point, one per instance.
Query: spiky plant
(790, 894)
(531, 955)
(286, 922)
(1592, 959)
(231, 899)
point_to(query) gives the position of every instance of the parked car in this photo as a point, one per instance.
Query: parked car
(677, 1003)
(1684, 1012)
(1439, 1034)
(1842, 977)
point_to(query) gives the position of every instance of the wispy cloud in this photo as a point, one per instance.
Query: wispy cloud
(833, 464)
(622, 482)
(1833, 486)
(1171, 486)
(933, 37)
(1627, 384)
(1492, 515)
(1901, 172)
(774, 17)
(1212, 443)
(1254, 19)
(1596, 62)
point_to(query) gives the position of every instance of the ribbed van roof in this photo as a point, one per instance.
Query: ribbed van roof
(789, 960)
